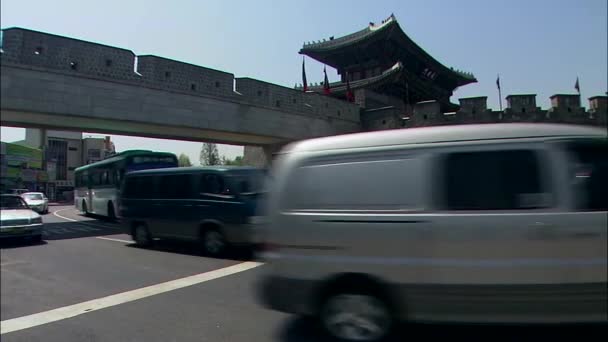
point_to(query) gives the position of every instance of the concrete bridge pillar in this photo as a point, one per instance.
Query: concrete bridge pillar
(260, 156)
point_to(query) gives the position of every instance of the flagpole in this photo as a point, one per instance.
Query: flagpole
(499, 92)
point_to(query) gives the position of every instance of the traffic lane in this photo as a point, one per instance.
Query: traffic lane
(69, 212)
(227, 309)
(37, 278)
(223, 309)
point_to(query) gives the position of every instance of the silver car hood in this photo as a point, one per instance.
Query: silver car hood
(17, 214)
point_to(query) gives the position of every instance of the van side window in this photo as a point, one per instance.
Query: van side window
(143, 187)
(176, 186)
(589, 174)
(363, 185)
(493, 180)
(212, 184)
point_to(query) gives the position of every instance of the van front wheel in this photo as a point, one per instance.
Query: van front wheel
(214, 243)
(141, 235)
(355, 317)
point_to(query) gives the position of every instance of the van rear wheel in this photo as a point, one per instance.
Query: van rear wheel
(141, 235)
(355, 316)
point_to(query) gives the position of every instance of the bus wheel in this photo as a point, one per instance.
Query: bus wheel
(84, 208)
(111, 214)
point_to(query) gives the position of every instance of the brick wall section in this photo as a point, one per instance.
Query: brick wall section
(380, 119)
(72, 55)
(174, 75)
(272, 95)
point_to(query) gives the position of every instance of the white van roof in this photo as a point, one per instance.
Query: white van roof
(437, 134)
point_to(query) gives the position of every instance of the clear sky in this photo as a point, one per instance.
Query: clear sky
(536, 46)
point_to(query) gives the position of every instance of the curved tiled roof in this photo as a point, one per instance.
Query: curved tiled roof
(340, 87)
(333, 43)
(320, 47)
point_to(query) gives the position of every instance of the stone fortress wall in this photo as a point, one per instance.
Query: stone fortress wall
(27, 48)
(565, 108)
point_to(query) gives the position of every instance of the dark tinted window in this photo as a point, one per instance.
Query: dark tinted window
(213, 184)
(175, 186)
(96, 178)
(140, 187)
(104, 178)
(589, 174)
(12, 202)
(496, 180)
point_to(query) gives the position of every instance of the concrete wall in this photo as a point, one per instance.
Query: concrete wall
(380, 119)
(26, 47)
(60, 82)
(74, 157)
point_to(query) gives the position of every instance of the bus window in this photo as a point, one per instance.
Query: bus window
(96, 178)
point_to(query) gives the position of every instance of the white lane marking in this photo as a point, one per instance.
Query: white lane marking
(63, 217)
(112, 239)
(65, 312)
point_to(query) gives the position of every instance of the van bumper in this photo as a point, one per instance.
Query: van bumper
(288, 295)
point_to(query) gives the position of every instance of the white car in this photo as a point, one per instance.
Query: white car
(18, 220)
(37, 201)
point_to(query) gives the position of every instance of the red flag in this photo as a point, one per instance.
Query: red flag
(350, 97)
(577, 86)
(326, 89)
(305, 87)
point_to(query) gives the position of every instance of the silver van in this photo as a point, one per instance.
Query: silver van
(496, 223)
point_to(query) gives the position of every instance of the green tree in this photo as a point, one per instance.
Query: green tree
(183, 160)
(209, 154)
(237, 161)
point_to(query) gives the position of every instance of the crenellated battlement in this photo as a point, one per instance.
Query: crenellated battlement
(76, 57)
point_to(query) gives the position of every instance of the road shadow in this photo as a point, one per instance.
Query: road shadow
(195, 249)
(75, 230)
(301, 329)
(19, 242)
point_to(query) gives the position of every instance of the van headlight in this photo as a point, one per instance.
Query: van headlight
(36, 220)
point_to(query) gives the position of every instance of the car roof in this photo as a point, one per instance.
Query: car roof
(10, 195)
(194, 169)
(32, 193)
(442, 134)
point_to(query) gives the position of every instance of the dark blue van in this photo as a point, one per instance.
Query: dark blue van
(214, 205)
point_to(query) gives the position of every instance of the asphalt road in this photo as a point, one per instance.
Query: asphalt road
(87, 264)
